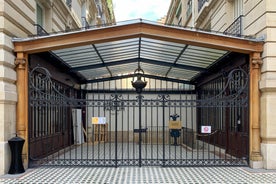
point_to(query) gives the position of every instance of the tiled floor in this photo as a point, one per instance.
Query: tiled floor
(120, 175)
(158, 174)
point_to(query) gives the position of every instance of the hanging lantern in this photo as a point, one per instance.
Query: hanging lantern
(139, 84)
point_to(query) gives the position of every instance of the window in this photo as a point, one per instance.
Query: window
(179, 10)
(99, 11)
(189, 9)
(238, 8)
(40, 20)
(69, 3)
(39, 15)
(201, 4)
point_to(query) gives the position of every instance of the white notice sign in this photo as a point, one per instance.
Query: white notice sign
(205, 129)
(98, 120)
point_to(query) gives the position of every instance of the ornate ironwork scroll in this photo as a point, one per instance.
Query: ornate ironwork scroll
(51, 102)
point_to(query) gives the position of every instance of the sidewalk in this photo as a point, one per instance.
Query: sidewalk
(128, 175)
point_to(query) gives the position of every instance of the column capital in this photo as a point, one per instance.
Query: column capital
(20, 62)
(256, 59)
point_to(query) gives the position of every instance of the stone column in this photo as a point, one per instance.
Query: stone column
(21, 63)
(255, 138)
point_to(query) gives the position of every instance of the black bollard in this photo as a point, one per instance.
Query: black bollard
(16, 145)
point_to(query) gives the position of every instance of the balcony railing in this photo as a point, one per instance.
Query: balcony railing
(201, 3)
(85, 24)
(235, 28)
(40, 31)
(189, 9)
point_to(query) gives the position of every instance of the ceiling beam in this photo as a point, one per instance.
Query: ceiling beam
(100, 65)
(179, 55)
(149, 61)
(181, 66)
(137, 30)
(99, 55)
(132, 75)
(139, 47)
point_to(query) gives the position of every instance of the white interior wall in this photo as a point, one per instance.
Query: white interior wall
(152, 116)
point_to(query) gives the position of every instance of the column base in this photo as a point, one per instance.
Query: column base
(256, 160)
(256, 164)
(256, 156)
(268, 152)
(5, 158)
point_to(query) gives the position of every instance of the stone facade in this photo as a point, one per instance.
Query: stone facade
(241, 17)
(17, 19)
(266, 25)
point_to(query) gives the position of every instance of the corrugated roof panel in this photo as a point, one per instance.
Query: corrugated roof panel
(82, 59)
(205, 49)
(157, 57)
(182, 74)
(198, 62)
(118, 50)
(114, 44)
(109, 57)
(62, 52)
(154, 69)
(95, 73)
(200, 56)
(152, 51)
(160, 53)
(119, 58)
(78, 56)
(161, 43)
(160, 50)
(123, 69)
(165, 50)
(83, 63)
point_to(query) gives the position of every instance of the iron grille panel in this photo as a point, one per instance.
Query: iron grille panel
(122, 142)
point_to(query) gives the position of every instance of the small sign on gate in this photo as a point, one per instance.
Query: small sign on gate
(99, 120)
(175, 125)
(205, 129)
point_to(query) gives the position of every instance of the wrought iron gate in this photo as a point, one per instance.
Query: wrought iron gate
(67, 128)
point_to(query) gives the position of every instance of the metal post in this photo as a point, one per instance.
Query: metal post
(140, 127)
(116, 130)
(139, 85)
(163, 106)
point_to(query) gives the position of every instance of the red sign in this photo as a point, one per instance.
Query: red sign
(205, 129)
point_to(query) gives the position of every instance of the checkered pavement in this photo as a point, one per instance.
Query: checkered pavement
(62, 175)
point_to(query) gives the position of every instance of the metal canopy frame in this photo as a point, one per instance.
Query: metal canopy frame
(113, 52)
(198, 42)
(168, 60)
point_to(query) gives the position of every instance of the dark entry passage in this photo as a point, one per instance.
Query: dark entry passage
(101, 127)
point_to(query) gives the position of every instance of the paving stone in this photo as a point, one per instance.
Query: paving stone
(62, 175)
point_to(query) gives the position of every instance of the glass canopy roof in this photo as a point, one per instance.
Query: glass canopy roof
(156, 57)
